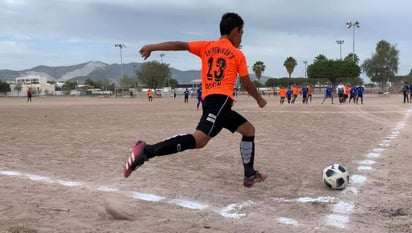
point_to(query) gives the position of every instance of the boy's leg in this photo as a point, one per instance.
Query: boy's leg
(143, 152)
(247, 150)
(172, 145)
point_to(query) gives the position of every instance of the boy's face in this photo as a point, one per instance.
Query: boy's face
(236, 35)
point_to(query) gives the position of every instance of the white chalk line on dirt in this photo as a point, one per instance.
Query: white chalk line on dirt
(233, 211)
(341, 211)
(230, 211)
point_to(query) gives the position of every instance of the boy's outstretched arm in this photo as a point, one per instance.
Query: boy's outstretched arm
(146, 50)
(251, 89)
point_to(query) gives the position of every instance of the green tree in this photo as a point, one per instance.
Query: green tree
(105, 85)
(321, 57)
(173, 83)
(271, 82)
(349, 57)
(259, 68)
(90, 82)
(111, 87)
(127, 82)
(4, 87)
(18, 88)
(257, 83)
(287, 82)
(290, 64)
(69, 85)
(153, 74)
(383, 65)
(333, 71)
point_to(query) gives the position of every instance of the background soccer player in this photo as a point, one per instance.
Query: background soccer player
(328, 93)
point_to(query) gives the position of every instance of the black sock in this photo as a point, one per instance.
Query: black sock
(247, 150)
(171, 145)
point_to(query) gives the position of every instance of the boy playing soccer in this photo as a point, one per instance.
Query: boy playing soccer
(222, 63)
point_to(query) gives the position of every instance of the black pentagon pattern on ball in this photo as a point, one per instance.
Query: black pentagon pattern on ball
(330, 173)
(341, 168)
(340, 182)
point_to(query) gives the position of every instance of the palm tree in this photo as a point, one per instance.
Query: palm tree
(259, 68)
(290, 64)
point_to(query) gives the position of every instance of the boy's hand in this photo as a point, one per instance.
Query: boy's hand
(262, 102)
(145, 51)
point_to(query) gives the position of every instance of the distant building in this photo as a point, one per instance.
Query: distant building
(36, 83)
(31, 79)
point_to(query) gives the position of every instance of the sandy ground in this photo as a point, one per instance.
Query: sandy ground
(62, 158)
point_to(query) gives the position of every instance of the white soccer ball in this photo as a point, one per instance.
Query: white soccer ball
(336, 176)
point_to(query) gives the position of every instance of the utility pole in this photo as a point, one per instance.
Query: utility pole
(306, 63)
(168, 84)
(121, 46)
(340, 42)
(353, 25)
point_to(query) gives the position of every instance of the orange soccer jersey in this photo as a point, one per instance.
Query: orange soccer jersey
(296, 91)
(221, 65)
(347, 90)
(310, 90)
(282, 92)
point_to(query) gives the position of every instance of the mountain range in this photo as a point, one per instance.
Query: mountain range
(96, 71)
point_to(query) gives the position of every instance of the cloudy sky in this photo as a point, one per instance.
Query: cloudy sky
(68, 32)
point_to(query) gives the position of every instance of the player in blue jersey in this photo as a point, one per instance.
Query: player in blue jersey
(186, 96)
(353, 93)
(405, 92)
(328, 93)
(199, 97)
(289, 95)
(360, 89)
(305, 91)
(410, 93)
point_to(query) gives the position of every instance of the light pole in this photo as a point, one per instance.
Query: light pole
(168, 84)
(353, 25)
(305, 62)
(340, 42)
(161, 57)
(121, 46)
(135, 74)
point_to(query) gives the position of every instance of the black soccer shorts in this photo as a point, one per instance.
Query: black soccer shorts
(218, 114)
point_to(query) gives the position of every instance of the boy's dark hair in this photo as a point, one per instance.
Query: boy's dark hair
(229, 21)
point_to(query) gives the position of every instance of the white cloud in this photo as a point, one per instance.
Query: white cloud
(65, 32)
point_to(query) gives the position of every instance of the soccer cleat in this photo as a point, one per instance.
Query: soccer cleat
(136, 158)
(257, 177)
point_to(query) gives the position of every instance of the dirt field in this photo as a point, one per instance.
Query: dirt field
(62, 158)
